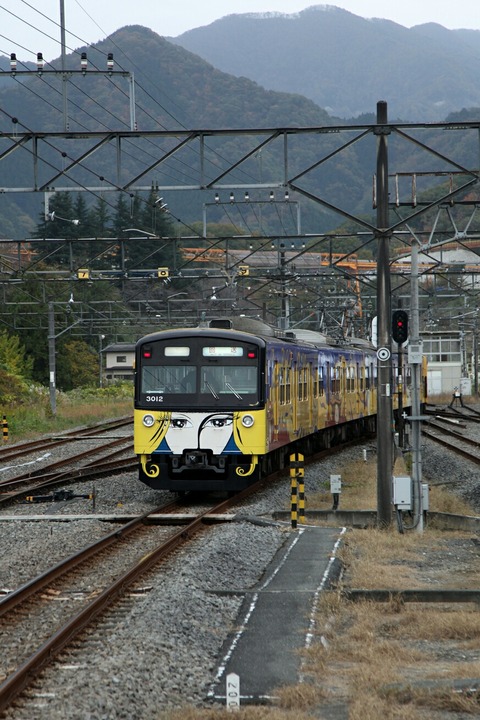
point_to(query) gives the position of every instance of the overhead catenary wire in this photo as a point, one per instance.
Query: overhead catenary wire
(132, 63)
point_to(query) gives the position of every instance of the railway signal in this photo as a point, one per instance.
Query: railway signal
(400, 326)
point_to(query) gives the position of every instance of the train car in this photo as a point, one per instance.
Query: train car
(217, 407)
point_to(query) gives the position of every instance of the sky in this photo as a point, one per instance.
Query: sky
(31, 26)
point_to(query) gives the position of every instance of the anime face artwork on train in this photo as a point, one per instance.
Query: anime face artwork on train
(180, 431)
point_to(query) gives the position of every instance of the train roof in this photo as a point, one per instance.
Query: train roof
(263, 331)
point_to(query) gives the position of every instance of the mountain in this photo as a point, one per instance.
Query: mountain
(346, 63)
(174, 89)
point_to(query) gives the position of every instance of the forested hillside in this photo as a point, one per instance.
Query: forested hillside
(345, 63)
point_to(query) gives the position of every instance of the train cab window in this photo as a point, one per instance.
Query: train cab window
(190, 371)
(237, 380)
(171, 379)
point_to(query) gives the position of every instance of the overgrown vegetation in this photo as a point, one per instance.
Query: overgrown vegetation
(84, 406)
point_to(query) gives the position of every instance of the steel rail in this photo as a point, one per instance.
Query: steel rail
(91, 470)
(21, 677)
(455, 448)
(71, 460)
(11, 452)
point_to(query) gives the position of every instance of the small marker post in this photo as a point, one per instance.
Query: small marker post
(232, 693)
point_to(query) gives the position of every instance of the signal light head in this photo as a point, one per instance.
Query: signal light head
(400, 326)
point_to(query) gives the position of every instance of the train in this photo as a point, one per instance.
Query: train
(219, 406)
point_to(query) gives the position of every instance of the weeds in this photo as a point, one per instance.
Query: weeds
(85, 407)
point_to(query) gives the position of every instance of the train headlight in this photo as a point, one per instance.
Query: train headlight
(148, 420)
(247, 421)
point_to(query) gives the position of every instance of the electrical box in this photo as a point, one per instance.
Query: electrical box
(425, 497)
(415, 352)
(335, 484)
(402, 492)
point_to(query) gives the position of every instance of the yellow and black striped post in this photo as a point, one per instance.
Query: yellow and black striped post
(297, 484)
(294, 494)
(301, 488)
(5, 428)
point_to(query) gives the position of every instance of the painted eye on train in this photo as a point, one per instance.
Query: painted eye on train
(180, 423)
(219, 422)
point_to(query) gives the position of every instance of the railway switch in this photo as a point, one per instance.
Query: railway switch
(58, 496)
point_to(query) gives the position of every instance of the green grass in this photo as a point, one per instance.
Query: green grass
(33, 417)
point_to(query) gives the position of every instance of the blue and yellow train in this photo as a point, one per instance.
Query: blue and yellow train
(217, 407)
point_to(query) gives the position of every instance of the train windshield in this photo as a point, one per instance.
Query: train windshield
(197, 374)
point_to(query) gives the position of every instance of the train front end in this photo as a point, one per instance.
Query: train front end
(199, 418)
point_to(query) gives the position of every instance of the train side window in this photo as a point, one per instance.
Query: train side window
(315, 381)
(349, 379)
(281, 383)
(321, 382)
(288, 395)
(367, 377)
(336, 379)
(302, 384)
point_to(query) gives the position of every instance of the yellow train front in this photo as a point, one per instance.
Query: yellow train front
(216, 407)
(199, 419)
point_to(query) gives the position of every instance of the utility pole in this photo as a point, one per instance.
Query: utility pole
(415, 361)
(51, 357)
(384, 352)
(51, 353)
(64, 66)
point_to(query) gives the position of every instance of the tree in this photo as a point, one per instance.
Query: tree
(76, 364)
(152, 252)
(13, 358)
(58, 223)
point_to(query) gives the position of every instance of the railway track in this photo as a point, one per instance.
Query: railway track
(49, 602)
(453, 440)
(46, 444)
(96, 461)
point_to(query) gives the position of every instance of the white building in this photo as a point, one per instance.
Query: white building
(119, 362)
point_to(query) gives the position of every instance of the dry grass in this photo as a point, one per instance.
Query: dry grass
(376, 657)
(442, 500)
(385, 661)
(358, 488)
(384, 558)
(248, 713)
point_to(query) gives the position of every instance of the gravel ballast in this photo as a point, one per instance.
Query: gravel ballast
(161, 647)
